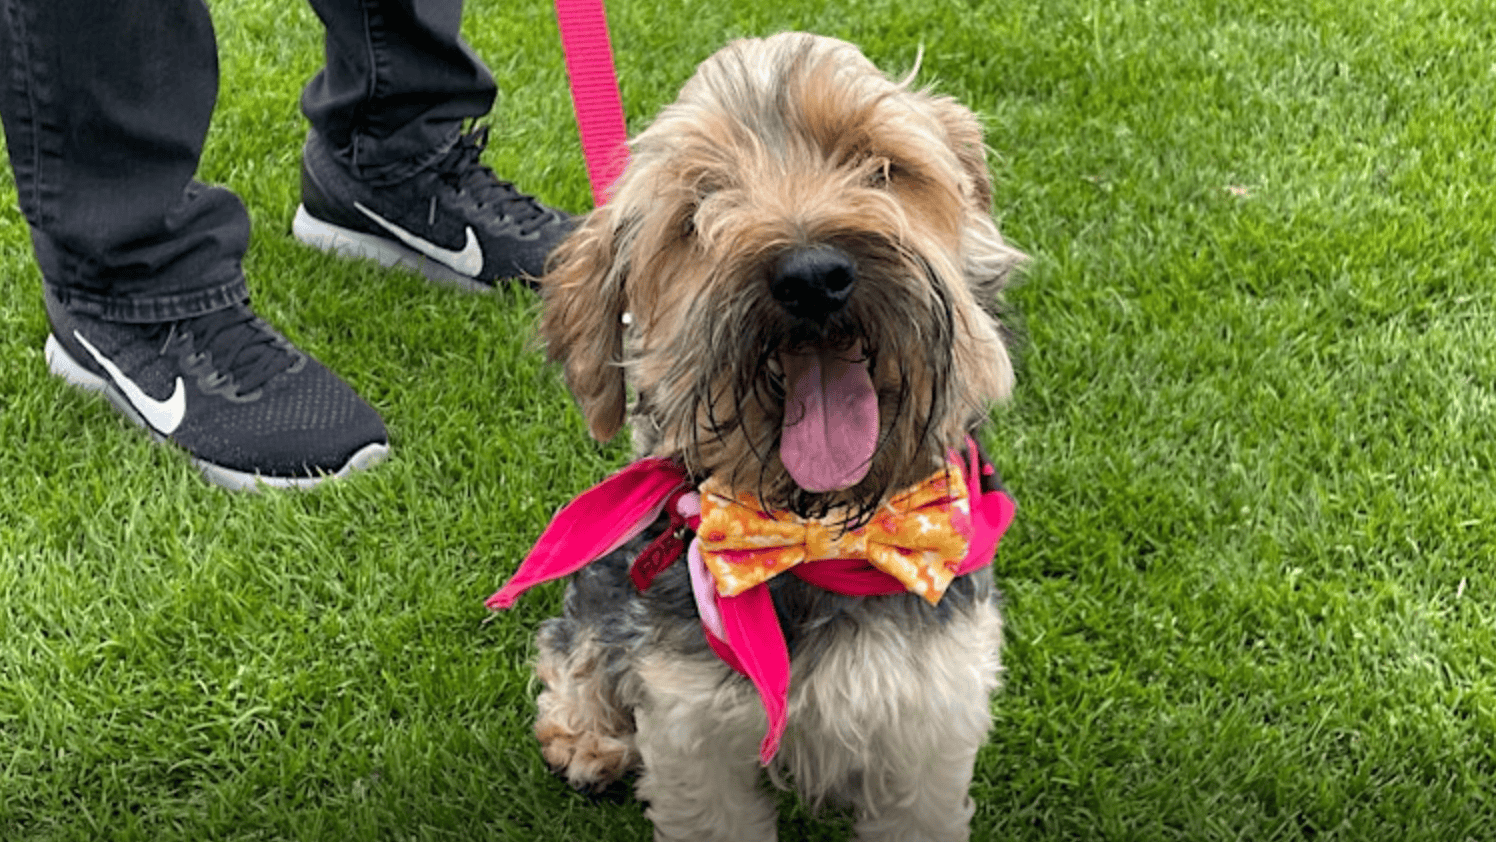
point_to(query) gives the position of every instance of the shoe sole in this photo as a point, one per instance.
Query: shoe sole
(345, 242)
(62, 364)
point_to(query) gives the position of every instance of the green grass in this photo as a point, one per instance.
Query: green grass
(1249, 585)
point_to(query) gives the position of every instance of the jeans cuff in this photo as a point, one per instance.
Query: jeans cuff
(364, 156)
(152, 309)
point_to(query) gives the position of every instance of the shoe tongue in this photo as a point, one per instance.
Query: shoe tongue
(830, 419)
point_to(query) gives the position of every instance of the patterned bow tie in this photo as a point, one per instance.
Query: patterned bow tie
(919, 537)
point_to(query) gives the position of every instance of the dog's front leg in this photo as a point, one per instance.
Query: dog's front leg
(934, 807)
(918, 775)
(698, 734)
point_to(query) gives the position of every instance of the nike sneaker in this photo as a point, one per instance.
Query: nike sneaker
(454, 221)
(249, 407)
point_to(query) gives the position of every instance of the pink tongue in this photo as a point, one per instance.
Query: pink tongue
(830, 420)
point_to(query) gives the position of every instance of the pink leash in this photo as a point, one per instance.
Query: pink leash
(594, 92)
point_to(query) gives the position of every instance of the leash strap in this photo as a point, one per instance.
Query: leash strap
(594, 92)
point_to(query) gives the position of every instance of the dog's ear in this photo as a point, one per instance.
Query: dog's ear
(582, 322)
(990, 262)
(964, 134)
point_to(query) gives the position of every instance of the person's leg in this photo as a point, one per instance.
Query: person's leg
(398, 84)
(105, 108)
(386, 172)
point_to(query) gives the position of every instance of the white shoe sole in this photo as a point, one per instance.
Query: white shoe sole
(62, 364)
(346, 242)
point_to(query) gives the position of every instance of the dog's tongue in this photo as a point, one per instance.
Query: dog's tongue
(830, 420)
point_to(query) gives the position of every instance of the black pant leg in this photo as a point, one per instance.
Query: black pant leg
(398, 83)
(105, 108)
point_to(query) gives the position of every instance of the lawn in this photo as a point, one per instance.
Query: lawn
(1249, 586)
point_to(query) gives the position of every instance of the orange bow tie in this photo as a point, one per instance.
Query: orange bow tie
(919, 537)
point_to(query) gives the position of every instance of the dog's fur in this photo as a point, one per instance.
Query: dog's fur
(774, 145)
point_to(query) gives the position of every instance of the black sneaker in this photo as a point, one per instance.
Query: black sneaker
(454, 221)
(249, 407)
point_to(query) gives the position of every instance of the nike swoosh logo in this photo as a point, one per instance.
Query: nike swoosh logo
(468, 261)
(163, 416)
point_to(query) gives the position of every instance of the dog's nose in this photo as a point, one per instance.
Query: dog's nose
(813, 282)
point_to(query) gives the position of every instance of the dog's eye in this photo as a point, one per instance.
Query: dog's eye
(881, 173)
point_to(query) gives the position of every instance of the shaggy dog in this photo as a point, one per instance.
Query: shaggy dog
(797, 279)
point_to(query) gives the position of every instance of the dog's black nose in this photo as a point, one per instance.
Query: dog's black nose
(813, 282)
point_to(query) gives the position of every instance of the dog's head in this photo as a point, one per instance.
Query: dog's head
(797, 274)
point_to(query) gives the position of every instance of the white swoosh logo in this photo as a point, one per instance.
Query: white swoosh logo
(469, 261)
(164, 416)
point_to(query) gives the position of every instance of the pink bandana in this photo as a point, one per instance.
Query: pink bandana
(742, 628)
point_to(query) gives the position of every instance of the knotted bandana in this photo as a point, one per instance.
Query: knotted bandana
(947, 526)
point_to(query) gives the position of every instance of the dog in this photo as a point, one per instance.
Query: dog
(794, 297)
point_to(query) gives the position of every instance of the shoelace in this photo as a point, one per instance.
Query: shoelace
(463, 170)
(241, 344)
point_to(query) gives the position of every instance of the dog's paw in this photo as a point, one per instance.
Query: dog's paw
(590, 762)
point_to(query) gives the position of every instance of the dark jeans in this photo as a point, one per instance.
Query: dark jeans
(106, 106)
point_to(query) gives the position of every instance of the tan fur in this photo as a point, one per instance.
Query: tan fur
(592, 745)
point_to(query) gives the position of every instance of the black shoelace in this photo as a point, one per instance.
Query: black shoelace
(464, 171)
(242, 346)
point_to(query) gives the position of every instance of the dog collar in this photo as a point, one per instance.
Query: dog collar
(737, 611)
